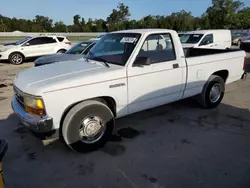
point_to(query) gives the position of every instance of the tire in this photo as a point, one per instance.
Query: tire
(16, 58)
(81, 114)
(208, 101)
(238, 43)
(62, 51)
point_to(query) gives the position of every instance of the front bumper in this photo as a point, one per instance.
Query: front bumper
(4, 56)
(35, 123)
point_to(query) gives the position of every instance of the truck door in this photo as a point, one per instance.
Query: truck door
(161, 81)
(208, 42)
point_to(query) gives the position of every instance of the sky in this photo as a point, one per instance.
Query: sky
(63, 10)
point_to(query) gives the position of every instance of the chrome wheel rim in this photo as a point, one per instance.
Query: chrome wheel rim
(17, 59)
(215, 93)
(92, 129)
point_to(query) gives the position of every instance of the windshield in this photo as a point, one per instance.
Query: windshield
(180, 35)
(191, 38)
(78, 48)
(22, 40)
(99, 36)
(114, 48)
(235, 35)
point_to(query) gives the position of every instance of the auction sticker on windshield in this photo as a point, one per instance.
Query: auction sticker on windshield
(128, 40)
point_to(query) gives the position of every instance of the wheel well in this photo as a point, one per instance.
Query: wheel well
(222, 73)
(109, 101)
(16, 53)
(62, 50)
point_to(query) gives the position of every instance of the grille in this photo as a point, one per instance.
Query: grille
(19, 96)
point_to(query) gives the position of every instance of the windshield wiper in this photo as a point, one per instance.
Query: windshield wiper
(101, 60)
(90, 56)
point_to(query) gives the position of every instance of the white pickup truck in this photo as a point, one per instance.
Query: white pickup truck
(125, 72)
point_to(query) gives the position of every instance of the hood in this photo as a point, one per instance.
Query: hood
(7, 47)
(188, 45)
(246, 41)
(56, 58)
(9, 44)
(34, 79)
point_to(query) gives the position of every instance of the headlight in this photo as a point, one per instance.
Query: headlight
(34, 105)
(3, 50)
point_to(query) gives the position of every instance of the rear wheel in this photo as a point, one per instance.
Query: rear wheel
(16, 58)
(88, 126)
(213, 92)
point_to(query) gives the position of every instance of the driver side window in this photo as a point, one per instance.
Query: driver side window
(35, 41)
(158, 47)
(208, 39)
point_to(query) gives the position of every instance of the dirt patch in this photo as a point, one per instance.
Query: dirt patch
(128, 132)
(114, 149)
(31, 156)
(2, 98)
(86, 169)
(149, 178)
(3, 85)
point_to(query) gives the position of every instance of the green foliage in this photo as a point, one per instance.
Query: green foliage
(222, 14)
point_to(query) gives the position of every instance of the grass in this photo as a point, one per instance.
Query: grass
(71, 38)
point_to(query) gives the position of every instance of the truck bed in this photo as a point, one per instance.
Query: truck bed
(194, 52)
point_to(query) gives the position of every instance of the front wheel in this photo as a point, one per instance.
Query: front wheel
(16, 58)
(239, 43)
(213, 92)
(88, 126)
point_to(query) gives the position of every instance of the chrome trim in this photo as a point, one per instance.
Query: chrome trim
(33, 122)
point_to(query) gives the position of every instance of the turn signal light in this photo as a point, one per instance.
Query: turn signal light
(40, 112)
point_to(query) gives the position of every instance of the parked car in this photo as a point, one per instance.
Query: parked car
(124, 73)
(237, 38)
(216, 39)
(34, 46)
(245, 45)
(3, 150)
(75, 52)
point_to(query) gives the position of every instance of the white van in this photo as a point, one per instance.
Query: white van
(215, 39)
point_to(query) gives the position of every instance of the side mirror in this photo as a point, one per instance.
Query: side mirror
(27, 44)
(142, 61)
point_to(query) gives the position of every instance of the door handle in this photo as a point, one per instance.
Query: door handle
(176, 65)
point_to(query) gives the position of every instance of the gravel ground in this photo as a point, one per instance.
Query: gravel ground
(173, 146)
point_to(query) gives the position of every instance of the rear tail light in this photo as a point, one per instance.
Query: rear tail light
(69, 43)
(245, 63)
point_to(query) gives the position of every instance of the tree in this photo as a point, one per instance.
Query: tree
(230, 14)
(60, 27)
(3, 27)
(43, 23)
(222, 13)
(77, 26)
(117, 17)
